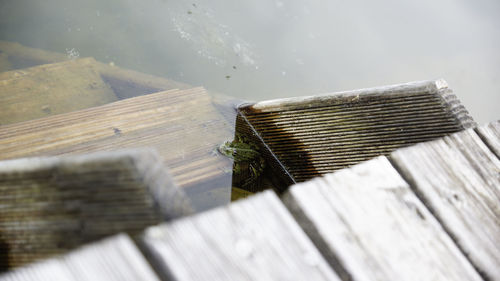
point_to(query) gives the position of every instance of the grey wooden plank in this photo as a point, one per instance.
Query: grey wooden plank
(490, 134)
(251, 239)
(371, 226)
(115, 258)
(316, 135)
(49, 205)
(458, 177)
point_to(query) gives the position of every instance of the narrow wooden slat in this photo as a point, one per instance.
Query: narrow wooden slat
(370, 226)
(116, 258)
(491, 136)
(251, 239)
(53, 204)
(311, 136)
(458, 177)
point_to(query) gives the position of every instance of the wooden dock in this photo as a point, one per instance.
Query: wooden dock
(389, 183)
(384, 219)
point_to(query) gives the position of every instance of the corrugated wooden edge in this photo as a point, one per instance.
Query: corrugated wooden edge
(116, 258)
(437, 87)
(251, 239)
(171, 200)
(370, 226)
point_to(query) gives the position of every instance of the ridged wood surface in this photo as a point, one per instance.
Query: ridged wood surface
(113, 259)
(369, 225)
(458, 177)
(53, 204)
(182, 125)
(252, 239)
(316, 135)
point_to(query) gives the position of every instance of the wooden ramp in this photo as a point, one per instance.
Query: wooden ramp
(426, 212)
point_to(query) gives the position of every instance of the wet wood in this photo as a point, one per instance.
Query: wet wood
(311, 136)
(124, 82)
(52, 204)
(458, 178)
(370, 226)
(252, 239)
(182, 125)
(51, 89)
(19, 56)
(115, 258)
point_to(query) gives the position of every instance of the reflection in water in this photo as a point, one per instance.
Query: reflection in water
(263, 49)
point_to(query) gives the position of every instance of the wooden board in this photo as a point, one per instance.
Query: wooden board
(458, 177)
(19, 56)
(52, 204)
(182, 125)
(252, 239)
(124, 82)
(370, 226)
(51, 89)
(115, 258)
(311, 136)
(491, 136)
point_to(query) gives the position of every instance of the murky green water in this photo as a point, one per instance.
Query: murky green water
(258, 50)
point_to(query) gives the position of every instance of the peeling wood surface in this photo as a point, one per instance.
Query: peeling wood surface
(312, 136)
(53, 204)
(252, 239)
(51, 89)
(458, 177)
(370, 226)
(115, 258)
(182, 125)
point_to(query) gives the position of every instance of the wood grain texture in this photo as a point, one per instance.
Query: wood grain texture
(116, 258)
(251, 239)
(320, 134)
(54, 204)
(182, 125)
(458, 177)
(51, 89)
(370, 226)
(490, 134)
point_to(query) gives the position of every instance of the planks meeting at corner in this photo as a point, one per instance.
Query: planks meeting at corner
(425, 212)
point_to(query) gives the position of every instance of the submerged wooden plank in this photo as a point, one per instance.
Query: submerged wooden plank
(370, 226)
(52, 204)
(252, 239)
(490, 134)
(19, 56)
(124, 82)
(311, 136)
(51, 89)
(458, 177)
(116, 258)
(182, 125)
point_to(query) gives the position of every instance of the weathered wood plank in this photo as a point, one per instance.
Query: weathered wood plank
(370, 226)
(182, 125)
(490, 134)
(251, 239)
(311, 136)
(51, 89)
(116, 258)
(458, 177)
(53, 204)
